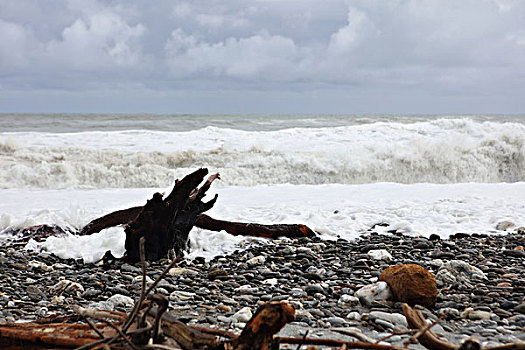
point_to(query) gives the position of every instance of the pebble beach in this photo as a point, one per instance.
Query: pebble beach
(480, 280)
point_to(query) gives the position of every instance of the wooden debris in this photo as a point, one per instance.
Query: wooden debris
(166, 222)
(267, 321)
(256, 230)
(57, 335)
(426, 337)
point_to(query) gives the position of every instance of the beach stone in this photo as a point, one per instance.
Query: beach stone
(374, 292)
(520, 308)
(246, 289)
(336, 321)
(270, 281)
(514, 253)
(472, 314)
(411, 283)
(347, 301)
(216, 274)
(313, 289)
(458, 271)
(38, 265)
(504, 225)
(34, 292)
(354, 315)
(176, 271)
(380, 254)
(68, 287)
(393, 318)
(243, 315)
(451, 312)
(179, 295)
(113, 302)
(120, 300)
(256, 260)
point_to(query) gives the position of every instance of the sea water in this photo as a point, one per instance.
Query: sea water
(340, 175)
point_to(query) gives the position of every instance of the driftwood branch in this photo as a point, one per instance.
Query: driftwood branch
(123, 217)
(257, 230)
(166, 222)
(426, 337)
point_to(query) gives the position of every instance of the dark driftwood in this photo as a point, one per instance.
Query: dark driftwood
(166, 222)
(206, 222)
(267, 321)
(116, 218)
(256, 230)
(427, 338)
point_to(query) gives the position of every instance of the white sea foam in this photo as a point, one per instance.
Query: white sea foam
(332, 210)
(419, 175)
(438, 151)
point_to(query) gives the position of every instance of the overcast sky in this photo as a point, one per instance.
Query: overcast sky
(396, 56)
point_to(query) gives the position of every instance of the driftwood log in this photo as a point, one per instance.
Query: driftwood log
(257, 334)
(166, 222)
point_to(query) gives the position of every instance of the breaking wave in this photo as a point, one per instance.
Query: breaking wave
(440, 151)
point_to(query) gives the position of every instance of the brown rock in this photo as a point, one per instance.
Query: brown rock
(411, 284)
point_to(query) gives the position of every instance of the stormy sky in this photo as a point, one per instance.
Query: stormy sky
(294, 56)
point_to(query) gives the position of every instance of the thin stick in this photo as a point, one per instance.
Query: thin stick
(94, 328)
(133, 314)
(119, 331)
(304, 337)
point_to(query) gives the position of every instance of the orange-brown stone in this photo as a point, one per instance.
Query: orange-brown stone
(411, 284)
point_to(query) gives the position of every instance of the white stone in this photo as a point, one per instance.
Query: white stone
(354, 315)
(66, 286)
(138, 279)
(58, 299)
(459, 271)
(472, 314)
(313, 269)
(257, 260)
(317, 247)
(243, 315)
(305, 250)
(375, 291)
(119, 300)
(347, 301)
(224, 319)
(179, 295)
(37, 265)
(246, 289)
(380, 254)
(271, 281)
(60, 266)
(175, 271)
(394, 318)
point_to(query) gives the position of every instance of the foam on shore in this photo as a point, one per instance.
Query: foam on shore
(332, 210)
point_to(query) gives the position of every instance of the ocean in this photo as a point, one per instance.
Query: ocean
(340, 175)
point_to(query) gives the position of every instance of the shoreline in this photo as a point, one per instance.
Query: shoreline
(313, 275)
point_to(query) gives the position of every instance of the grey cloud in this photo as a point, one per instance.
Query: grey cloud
(406, 47)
